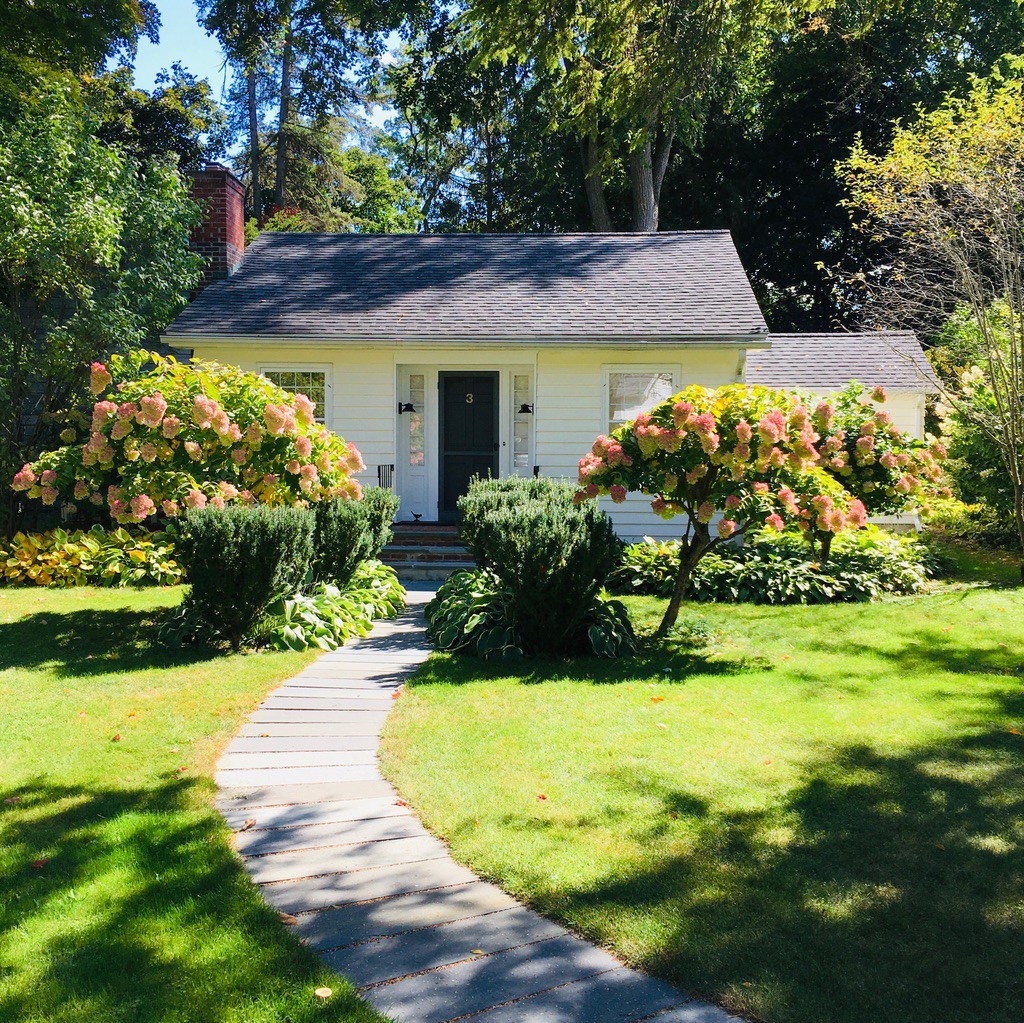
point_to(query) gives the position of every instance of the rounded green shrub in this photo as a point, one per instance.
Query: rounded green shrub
(238, 560)
(550, 556)
(349, 533)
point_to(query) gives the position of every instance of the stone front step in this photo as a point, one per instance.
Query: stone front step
(426, 536)
(431, 551)
(397, 555)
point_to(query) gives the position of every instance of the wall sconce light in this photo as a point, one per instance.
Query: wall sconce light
(406, 406)
(525, 410)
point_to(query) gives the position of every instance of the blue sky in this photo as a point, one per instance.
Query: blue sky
(182, 39)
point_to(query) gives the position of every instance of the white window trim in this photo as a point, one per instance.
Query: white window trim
(307, 367)
(674, 369)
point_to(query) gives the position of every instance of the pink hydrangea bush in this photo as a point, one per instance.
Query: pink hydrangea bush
(886, 470)
(166, 436)
(729, 461)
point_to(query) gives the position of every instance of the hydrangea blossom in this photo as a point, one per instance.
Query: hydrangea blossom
(747, 455)
(166, 436)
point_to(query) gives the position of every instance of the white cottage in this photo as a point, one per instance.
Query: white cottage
(446, 356)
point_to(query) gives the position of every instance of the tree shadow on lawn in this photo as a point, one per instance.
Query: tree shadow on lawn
(93, 642)
(142, 913)
(883, 887)
(650, 664)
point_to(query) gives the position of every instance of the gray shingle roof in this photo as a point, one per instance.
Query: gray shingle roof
(828, 362)
(586, 287)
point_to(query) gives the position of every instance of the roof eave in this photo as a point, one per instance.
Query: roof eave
(753, 340)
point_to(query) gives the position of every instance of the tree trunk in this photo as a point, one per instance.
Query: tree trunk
(826, 546)
(645, 202)
(595, 186)
(1018, 510)
(284, 116)
(254, 149)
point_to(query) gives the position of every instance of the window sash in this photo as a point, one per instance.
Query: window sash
(632, 390)
(313, 383)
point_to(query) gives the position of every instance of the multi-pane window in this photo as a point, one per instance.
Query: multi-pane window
(417, 398)
(310, 382)
(521, 423)
(633, 391)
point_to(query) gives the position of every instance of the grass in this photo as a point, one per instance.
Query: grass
(120, 898)
(819, 820)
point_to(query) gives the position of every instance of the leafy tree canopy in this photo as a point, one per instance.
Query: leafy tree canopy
(93, 257)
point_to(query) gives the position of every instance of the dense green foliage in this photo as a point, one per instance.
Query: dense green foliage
(238, 559)
(474, 612)
(93, 257)
(551, 556)
(938, 196)
(777, 569)
(325, 616)
(95, 557)
(351, 532)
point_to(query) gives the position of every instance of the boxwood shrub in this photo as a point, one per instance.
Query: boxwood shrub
(548, 558)
(350, 532)
(238, 559)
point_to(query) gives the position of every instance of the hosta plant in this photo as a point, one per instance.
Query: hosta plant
(329, 615)
(474, 612)
(165, 437)
(95, 557)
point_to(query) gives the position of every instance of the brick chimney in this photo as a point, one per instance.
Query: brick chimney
(220, 237)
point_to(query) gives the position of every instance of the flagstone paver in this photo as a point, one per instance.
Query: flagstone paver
(330, 843)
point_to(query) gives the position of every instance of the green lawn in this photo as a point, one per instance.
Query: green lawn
(821, 821)
(120, 898)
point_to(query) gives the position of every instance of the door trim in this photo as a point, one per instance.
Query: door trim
(442, 377)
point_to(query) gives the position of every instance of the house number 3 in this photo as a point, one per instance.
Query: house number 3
(469, 397)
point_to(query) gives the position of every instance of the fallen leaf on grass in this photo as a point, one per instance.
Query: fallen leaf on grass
(401, 802)
(1013, 731)
(660, 725)
(39, 864)
(541, 797)
(945, 628)
(82, 714)
(395, 695)
(116, 738)
(657, 699)
(250, 823)
(287, 918)
(11, 800)
(323, 993)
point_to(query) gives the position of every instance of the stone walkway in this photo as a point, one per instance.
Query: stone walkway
(330, 844)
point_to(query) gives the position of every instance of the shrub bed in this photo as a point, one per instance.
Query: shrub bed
(543, 562)
(238, 560)
(349, 533)
(94, 557)
(779, 569)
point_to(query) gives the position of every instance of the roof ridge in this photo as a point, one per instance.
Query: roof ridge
(496, 234)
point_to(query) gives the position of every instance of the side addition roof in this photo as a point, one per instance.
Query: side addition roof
(681, 286)
(828, 362)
